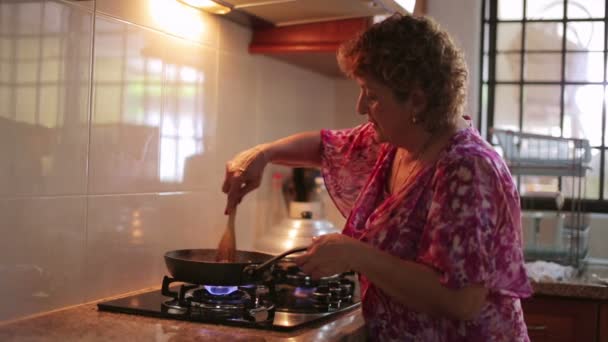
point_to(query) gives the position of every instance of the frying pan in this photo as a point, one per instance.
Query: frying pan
(198, 266)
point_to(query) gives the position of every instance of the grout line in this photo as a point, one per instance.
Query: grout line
(91, 99)
(114, 194)
(74, 3)
(161, 118)
(38, 86)
(154, 30)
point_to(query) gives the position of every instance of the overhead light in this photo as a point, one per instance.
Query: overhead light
(207, 6)
(408, 5)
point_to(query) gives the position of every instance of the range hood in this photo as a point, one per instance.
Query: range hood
(307, 33)
(292, 12)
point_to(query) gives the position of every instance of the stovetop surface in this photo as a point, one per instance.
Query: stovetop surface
(150, 304)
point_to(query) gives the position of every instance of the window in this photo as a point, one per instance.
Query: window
(543, 71)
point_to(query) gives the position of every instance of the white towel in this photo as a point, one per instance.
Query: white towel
(548, 271)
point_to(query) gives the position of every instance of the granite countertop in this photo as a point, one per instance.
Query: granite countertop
(85, 323)
(584, 285)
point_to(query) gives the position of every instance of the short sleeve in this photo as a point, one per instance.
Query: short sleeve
(473, 230)
(348, 158)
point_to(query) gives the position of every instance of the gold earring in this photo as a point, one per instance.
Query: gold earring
(414, 119)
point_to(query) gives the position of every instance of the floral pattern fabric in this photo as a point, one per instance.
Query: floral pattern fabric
(460, 216)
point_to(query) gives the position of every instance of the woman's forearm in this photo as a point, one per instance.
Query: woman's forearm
(302, 149)
(415, 285)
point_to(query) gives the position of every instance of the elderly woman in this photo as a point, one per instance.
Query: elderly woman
(433, 224)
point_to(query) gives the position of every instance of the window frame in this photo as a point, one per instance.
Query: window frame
(487, 98)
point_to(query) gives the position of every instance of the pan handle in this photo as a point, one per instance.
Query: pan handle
(265, 265)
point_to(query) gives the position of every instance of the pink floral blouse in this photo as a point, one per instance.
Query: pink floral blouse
(460, 217)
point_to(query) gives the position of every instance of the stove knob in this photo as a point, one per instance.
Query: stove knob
(259, 315)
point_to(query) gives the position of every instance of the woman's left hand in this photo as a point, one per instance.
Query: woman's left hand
(328, 255)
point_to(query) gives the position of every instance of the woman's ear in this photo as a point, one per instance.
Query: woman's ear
(418, 100)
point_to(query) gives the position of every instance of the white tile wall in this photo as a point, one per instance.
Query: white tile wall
(42, 253)
(347, 93)
(91, 199)
(45, 92)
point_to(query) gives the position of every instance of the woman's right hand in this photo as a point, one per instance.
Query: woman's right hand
(243, 174)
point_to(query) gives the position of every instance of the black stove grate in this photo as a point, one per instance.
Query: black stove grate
(282, 305)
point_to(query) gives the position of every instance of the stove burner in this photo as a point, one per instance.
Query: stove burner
(288, 272)
(303, 292)
(269, 304)
(220, 290)
(201, 297)
(219, 303)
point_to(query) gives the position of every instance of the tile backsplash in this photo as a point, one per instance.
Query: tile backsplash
(116, 120)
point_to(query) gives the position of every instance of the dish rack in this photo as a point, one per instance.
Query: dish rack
(561, 235)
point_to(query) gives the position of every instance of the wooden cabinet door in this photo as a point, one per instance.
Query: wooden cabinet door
(603, 323)
(560, 319)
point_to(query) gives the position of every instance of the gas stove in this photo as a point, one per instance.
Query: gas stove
(287, 300)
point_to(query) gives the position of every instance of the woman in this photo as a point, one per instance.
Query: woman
(433, 223)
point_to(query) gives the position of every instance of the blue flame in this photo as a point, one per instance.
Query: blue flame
(221, 290)
(303, 292)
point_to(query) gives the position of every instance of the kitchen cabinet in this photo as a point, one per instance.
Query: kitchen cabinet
(311, 46)
(566, 319)
(603, 323)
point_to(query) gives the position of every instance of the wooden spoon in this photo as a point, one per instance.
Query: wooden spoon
(226, 250)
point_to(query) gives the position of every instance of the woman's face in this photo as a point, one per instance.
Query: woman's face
(390, 116)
